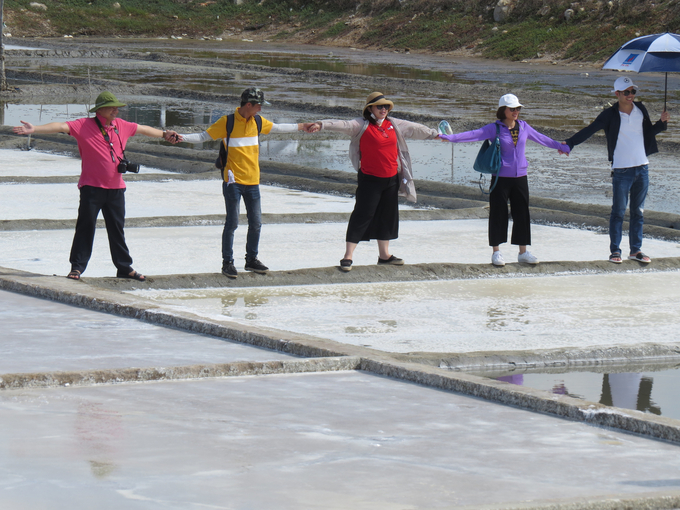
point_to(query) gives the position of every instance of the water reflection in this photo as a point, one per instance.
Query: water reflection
(509, 317)
(99, 432)
(627, 390)
(231, 305)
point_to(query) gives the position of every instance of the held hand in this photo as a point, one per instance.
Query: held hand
(172, 136)
(313, 127)
(665, 116)
(26, 129)
(566, 153)
(307, 127)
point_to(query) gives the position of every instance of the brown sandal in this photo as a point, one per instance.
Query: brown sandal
(74, 275)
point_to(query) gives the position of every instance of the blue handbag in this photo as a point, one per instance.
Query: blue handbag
(488, 160)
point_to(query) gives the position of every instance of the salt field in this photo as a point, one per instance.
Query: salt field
(502, 314)
(400, 387)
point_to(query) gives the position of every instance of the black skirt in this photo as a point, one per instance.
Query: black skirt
(376, 211)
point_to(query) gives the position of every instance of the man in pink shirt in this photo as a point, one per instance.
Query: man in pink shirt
(101, 143)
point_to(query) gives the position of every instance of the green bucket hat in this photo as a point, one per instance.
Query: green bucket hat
(104, 100)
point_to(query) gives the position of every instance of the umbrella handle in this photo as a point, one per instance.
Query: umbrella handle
(665, 93)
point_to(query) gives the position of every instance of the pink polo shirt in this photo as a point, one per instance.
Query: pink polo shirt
(97, 168)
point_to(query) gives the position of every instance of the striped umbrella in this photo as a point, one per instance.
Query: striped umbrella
(658, 53)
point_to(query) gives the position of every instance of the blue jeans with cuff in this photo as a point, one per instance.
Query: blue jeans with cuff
(232, 200)
(632, 181)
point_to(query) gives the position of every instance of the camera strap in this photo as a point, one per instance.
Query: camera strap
(108, 140)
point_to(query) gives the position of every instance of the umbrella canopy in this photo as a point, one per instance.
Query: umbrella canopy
(648, 54)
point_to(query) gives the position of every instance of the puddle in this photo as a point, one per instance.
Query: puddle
(643, 388)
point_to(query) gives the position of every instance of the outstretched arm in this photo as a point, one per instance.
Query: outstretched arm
(168, 136)
(290, 128)
(600, 122)
(546, 141)
(45, 129)
(415, 130)
(487, 132)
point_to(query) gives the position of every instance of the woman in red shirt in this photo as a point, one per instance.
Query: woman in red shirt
(379, 154)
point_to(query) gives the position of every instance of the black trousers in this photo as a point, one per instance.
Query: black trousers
(111, 202)
(376, 211)
(516, 190)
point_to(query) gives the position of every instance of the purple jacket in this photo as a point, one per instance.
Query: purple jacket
(513, 161)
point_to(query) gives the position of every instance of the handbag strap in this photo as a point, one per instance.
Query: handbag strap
(498, 135)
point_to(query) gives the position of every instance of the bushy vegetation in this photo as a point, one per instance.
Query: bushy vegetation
(586, 30)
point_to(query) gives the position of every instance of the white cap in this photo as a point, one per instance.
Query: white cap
(509, 100)
(623, 83)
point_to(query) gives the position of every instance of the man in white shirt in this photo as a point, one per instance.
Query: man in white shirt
(631, 137)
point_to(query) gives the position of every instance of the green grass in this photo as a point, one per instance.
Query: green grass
(431, 25)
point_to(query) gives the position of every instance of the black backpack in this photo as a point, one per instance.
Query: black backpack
(221, 160)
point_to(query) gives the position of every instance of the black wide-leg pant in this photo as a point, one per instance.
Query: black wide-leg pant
(111, 202)
(376, 211)
(515, 190)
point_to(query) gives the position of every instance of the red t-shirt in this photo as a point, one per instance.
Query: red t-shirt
(379, 154)
(97, 168)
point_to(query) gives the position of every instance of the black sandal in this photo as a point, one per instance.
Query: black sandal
(74, 275)
(346, 265)
(133, 276)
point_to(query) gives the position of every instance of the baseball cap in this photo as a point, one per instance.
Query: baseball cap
(253, 95)
(509, 100)
(623, 83)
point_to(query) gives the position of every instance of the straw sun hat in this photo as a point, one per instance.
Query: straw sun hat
(377, 98)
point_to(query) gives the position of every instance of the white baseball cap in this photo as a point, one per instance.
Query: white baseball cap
(509, 100)
(623, 83)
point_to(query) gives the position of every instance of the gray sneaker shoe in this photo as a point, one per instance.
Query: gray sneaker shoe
(497, 259)
(255, 266)
(527, 258)
(228, 269)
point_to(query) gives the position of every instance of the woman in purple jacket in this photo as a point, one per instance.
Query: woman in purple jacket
(512, 177)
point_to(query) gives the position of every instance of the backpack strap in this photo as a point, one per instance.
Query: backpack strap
(221, 162)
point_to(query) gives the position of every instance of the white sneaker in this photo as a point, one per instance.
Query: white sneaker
(527, 258)
(497, 259)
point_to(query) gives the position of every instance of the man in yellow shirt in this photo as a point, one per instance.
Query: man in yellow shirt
(242, 174)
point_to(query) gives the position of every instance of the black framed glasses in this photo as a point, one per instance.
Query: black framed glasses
(628, 92)
(515, 109)
(382, 107)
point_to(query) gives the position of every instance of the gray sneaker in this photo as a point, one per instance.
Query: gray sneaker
(527, 258)
(255, 266)
(228, 269)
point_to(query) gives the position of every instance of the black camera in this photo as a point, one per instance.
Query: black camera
(126, 166)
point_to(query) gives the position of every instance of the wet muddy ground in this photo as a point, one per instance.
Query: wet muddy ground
(187, 85)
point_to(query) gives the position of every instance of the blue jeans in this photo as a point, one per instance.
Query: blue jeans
(625, 181)
(232, 200)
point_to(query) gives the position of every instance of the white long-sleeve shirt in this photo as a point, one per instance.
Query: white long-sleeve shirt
(205, 137)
